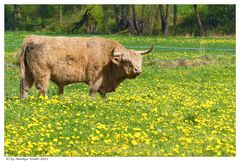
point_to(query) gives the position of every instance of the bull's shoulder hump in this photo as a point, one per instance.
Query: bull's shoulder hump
(101, 39)
(97, 38)
(104, 40)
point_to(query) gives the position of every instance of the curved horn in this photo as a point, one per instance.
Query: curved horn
(145, 51)
(116, 53)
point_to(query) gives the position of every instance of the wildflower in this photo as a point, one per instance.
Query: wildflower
(55, 140)
(134, 142)
(97, 132)
(137, 134)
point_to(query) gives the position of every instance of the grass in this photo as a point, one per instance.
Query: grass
(166, 111)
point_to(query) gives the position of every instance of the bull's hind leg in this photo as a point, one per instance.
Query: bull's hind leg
(42, 83)
(25, 84)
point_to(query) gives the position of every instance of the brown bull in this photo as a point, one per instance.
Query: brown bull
(101, 63)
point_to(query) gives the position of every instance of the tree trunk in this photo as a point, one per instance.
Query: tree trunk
(166, 22)
(17, 16)
(156, 16)
(198, 20)
(156, 22)
(143, 7)
(164, 19)
(105, 18)
(60, 15)
(128, 18)
(83, 20)
(116, 11)
(142, 25)
(135, 20)
(124, 21)
(174, 19)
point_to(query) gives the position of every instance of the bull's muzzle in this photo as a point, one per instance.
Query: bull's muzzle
(137, 71)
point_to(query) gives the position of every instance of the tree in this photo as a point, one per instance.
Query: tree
(141, 23)
(45, 12)
(117, 16)
(83, 20)
(156, 22)
(17, 15)
(174, 18)
(135, 20)
(220, 18)
(164, 19)
(60, 15)
(123, 22)
(198, 20)
(132, 19)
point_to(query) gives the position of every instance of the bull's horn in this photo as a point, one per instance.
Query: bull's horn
(116, 53)
(145, 51)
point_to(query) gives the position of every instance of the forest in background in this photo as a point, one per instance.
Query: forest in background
(161, 20)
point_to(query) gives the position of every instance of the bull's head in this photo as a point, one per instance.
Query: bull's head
(130, 61)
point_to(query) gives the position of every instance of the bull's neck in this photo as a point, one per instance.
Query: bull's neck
(115, 76)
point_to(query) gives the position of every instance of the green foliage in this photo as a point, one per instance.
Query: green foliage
(216, 19)
(9, 18)
(221, 18)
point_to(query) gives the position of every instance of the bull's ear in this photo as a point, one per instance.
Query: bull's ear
(116, 60)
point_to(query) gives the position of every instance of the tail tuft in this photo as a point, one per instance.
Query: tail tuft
(22, 61)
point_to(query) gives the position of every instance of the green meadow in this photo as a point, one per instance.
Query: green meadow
(183, 104)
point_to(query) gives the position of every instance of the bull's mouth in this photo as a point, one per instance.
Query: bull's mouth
(132, 76)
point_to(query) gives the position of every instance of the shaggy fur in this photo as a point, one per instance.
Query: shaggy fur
(101, 63)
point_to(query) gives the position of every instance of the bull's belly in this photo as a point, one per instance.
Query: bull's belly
(63, 76)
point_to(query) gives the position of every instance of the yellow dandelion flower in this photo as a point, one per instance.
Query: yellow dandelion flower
(55, 140)
(97, 132)
(134, 142)
(137, 134)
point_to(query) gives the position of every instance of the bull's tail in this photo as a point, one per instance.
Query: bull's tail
(24, 83)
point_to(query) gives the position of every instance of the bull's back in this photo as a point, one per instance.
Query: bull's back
(66, 59)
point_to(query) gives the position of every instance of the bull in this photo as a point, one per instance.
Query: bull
(99, 62)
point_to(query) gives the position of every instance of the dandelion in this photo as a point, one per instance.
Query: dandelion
(48, 135)
(55, 140)
(134, 142)
(97, 132)
(137, 134)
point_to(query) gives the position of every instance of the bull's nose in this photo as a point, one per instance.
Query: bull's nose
(137, 71)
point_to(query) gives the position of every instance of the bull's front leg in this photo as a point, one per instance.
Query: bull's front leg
(94, 87)
(103, 95)
(92, 92)
(60, 89)
(102, 92)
